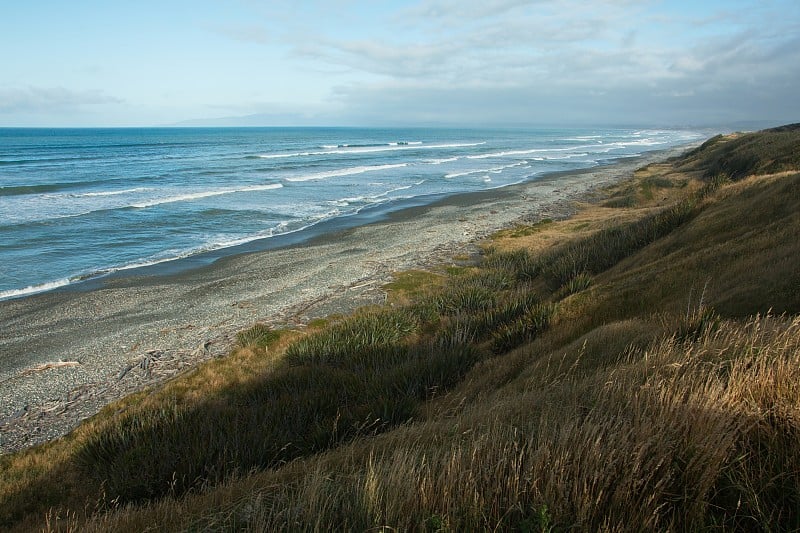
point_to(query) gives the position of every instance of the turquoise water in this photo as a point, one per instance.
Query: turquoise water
(81, 203)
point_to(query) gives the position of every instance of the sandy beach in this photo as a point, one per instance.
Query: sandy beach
(66, 354)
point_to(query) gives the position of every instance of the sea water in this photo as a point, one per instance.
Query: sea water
(81, 203)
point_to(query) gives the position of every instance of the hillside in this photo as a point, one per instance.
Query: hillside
(634, 367)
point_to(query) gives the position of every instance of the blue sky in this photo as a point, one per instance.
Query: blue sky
(436, 62)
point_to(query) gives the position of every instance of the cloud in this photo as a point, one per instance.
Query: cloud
(520, 106)
(502, 42)
(543, 61)
(50, 99)
(493, 61)
(398, 60)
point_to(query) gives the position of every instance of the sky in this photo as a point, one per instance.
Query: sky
(398, 63)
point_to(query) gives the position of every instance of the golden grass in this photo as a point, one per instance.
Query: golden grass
(651, 188)
(539, 239)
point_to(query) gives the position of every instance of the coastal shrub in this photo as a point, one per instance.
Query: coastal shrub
(467, 328)
(627, 200)
(516, 303)
(693, 436)
(356, 376)
(524, 329)
(602, 250)
(471, 325)
(463, 298)
(765, 152)
(472, 305)
(259, 335)
(519, 263)
(426, 311)
(430, 369)
(712, 184)
(489, 279)
(577, 284)
(658, 182)
(297, 410)
(648, 185)
(368, 329)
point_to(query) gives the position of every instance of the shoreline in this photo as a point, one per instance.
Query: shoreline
(371, 214)
(66, 353)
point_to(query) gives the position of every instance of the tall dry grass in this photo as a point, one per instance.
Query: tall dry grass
(693, 434)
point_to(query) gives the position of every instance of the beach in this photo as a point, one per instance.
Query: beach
(65, 354)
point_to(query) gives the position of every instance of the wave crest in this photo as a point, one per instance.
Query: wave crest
(204, 194)
(343, 150)
(346, 172)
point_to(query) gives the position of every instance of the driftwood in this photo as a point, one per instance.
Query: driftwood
(48, 366)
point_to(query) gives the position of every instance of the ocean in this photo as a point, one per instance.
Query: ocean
(78, 204)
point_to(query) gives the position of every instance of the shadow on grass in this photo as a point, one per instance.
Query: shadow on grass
(356, 377)
(297, 410)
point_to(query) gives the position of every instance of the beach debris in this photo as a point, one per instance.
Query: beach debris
(16, 415)
(127, 368)
(143, 362)
(202, 349)
(149, 358)
(50, 365)
(361, 285)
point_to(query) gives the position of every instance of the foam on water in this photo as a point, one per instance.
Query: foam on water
(111, 193)
(205, 194)
(441, 161)
(510, 153)
(372, 149)
(494, 170)
(346, 172)
(34, 289)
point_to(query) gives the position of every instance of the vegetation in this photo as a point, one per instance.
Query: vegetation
(641, 374)
(766, 152)
(602, 250)
(259, 335)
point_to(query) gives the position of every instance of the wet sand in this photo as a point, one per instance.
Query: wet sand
(66, 354)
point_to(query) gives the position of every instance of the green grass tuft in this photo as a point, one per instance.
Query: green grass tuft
(577, 284)
(524, 329)
(259, 335)
(519, 264)
(602, 250)
(364, 330)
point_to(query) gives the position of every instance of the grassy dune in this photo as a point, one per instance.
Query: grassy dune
(634, 367)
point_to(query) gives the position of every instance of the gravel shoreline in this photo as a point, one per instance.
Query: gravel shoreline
(65, 355)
